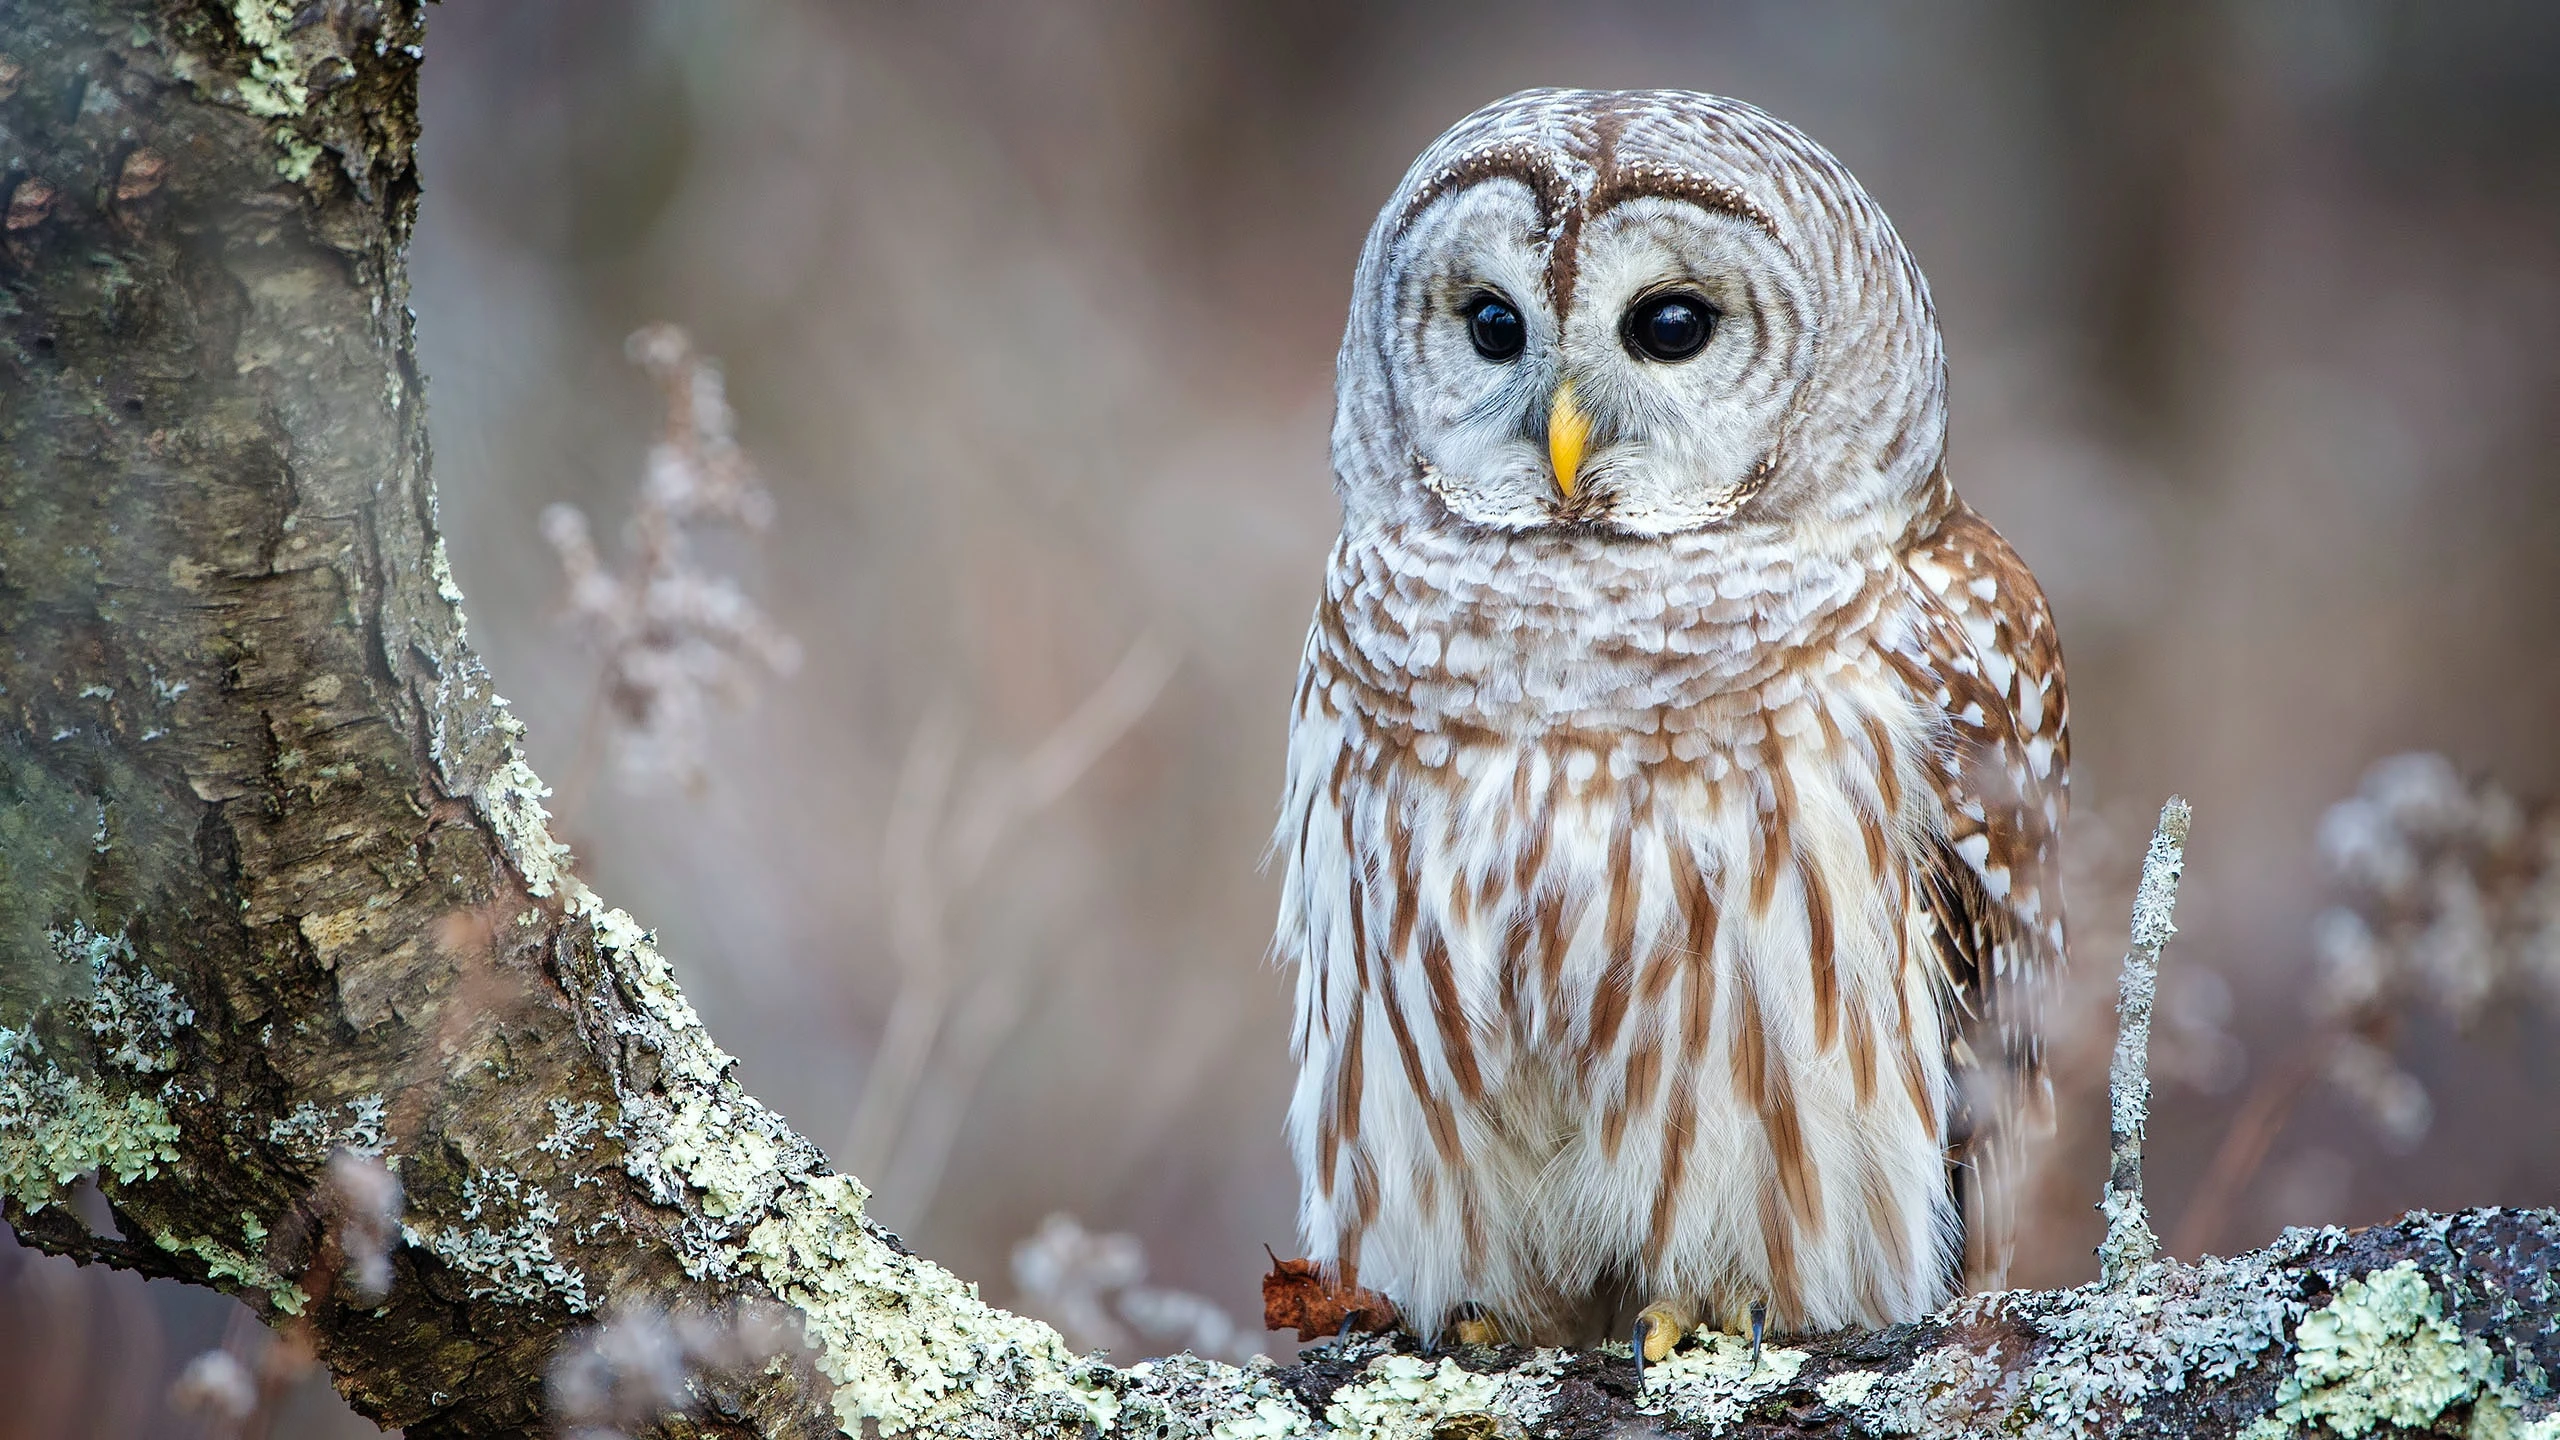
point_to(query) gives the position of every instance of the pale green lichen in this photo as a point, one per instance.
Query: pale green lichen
(570, 1127)
(134, 1016)
(310, 1132)
(2383, 1353)
(1405, 1397)
(510, 800)
(1849, 1389)
(56, 1126)
(1714, 1383)
(225, 1262)
(907, 1343)
(505, 1242)
(2113, 1352)
(1187, 1398)
(275, 86)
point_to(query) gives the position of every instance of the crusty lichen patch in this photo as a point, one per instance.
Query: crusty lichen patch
(275, 86)
(1188, 1398)
(58, 1123)
(2383, 1353)
(311, 1131)
(503, 1240)
(227, 1262)
(1713, 1382)
(1405, 1397)
(2113, 1352)
(134, 1017)
(56, 1126)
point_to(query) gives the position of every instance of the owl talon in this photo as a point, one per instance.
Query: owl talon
(1658, 1331)
(1759, 1321)
(1475, 1325)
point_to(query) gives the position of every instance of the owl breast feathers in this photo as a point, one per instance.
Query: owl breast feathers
(1676, 765)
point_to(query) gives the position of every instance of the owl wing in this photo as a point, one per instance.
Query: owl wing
(1990, 889)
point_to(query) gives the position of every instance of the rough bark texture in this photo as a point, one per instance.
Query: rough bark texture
(277, 884)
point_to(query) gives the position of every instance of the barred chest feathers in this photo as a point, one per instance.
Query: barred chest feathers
(1614, 977)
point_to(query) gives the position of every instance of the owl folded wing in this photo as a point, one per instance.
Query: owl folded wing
(1984, 650)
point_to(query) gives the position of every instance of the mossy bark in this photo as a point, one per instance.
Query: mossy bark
(276, 879)
(239, 729)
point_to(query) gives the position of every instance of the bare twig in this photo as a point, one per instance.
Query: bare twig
(2130, 1243)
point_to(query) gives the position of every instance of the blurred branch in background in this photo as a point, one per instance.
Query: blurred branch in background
(2452, 907)
(932, 1056)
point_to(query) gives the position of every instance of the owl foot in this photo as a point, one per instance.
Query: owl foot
(1759, 1322)
(1475, 1325)
(1659, 1328)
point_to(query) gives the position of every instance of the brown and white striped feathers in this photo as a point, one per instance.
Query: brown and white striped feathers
(1676, 765)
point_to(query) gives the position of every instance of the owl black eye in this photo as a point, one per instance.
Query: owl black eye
(1496, 328)
(1670, 328)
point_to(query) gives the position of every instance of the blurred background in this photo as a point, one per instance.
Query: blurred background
(1027, 318)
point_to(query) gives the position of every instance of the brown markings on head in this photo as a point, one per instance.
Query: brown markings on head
(1564, 255)
(1562, 212)
(1526, 161)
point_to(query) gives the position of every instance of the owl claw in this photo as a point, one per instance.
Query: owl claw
(1475, 1325)
(1759, 1321)
(1658, 1331)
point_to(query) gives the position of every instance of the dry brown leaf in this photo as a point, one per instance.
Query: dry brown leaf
(1298, 1295)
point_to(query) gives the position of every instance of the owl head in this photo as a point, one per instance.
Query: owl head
(1634, 314)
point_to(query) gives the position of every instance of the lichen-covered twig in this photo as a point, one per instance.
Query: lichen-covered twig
(2130, 1243)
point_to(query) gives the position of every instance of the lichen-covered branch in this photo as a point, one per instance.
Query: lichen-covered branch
(2130, 1242)
(280, 892)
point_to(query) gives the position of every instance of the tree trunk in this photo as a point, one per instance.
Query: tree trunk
(278, 887)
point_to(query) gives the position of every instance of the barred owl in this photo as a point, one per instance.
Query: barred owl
(1677, 763)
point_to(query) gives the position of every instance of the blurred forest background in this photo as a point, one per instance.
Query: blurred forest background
(1027, 315)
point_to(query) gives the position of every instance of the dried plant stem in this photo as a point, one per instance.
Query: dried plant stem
(2130, 1243)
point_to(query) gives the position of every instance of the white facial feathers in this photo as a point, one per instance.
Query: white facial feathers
(1820, 385)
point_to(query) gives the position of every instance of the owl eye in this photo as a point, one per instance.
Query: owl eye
(1670, 328)
(1496, 328)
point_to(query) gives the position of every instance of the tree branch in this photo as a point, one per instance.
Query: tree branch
(280, 886)
(2130, 1243)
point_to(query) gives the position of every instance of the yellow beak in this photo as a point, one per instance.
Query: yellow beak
(1568, 431)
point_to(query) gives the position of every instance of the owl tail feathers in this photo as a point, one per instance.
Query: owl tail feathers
(1298, 1295)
